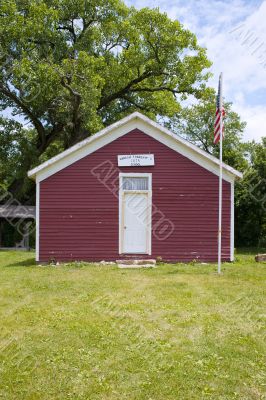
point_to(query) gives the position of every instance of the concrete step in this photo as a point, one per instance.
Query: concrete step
(260, 257)
(136, 263)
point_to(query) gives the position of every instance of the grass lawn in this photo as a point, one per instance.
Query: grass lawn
(95, 332)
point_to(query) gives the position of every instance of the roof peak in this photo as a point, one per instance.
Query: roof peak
(119, 126)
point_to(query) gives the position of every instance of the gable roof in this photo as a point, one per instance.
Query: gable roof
(7, 211)
(119, 129)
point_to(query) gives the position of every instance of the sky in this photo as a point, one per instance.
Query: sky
(235, 37)
(233, 33)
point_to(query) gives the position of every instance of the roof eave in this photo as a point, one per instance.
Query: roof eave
(32, 174)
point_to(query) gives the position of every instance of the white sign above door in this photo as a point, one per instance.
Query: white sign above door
(135, 160)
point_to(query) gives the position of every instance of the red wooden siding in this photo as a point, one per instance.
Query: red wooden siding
(79, 214)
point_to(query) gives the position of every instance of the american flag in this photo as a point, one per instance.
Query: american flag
(218, 124)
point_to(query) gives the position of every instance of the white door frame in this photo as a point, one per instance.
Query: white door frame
(121, 202)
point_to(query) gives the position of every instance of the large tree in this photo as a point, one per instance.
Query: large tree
(196, 124)
(71, 67)
(251, 198)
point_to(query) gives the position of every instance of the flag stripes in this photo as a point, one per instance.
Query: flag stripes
(217, 125)
(220, 113)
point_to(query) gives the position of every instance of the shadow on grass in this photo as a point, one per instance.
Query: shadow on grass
(250, 250)
(30, 262)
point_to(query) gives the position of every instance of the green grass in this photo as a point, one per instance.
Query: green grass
(95, 332)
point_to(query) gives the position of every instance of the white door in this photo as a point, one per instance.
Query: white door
(135, 221)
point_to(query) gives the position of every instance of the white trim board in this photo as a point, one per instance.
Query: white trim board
(119, 129)
(37, 233)
(232, 223)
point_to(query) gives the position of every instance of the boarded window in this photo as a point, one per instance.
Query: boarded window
(135, 183)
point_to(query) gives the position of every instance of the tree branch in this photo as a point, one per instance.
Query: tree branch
(26, 110)
(155, 50)
(76, 104)
(125, 90)
(42, 42)
(158, 89)
(69, 29)
(132, 102)
(86, 25)
(58, 128)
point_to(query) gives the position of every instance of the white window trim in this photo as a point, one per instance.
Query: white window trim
(149, 194)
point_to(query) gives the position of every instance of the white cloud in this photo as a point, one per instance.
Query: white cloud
(255, 117)
(230, 52)
(256, 123)
(244, 75)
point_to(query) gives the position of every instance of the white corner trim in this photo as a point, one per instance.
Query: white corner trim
(37, 233)
(120, 128)
(149, 222)
(232, 223)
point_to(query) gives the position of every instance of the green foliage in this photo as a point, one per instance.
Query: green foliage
(17, 152)
(71, 67)
(196, 124)
(251, 198)
(176, 332)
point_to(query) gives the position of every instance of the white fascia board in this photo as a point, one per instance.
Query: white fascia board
(209, 163)
(190, 145)
(120, 128)
(32, 173)
(81, 152)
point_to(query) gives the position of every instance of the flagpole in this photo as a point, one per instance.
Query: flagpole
(220, 180)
